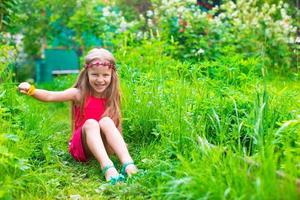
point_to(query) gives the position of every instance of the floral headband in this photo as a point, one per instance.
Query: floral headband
(101, 63)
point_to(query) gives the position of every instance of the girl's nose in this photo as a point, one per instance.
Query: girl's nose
(100, 80)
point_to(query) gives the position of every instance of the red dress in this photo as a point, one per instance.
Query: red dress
(93, 109)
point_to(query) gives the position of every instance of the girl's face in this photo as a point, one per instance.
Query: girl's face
(99, 79)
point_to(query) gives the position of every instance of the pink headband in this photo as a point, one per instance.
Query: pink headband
(99, 64)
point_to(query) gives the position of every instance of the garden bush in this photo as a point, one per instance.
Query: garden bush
(246, 27)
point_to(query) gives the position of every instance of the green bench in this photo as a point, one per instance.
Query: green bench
(56, 62)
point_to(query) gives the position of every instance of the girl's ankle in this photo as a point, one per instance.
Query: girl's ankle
(111, 172)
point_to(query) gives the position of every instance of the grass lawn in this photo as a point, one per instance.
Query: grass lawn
(215, 130)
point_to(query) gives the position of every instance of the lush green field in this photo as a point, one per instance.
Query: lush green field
(213, 130)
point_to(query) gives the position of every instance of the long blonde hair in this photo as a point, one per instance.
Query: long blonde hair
(112, 93)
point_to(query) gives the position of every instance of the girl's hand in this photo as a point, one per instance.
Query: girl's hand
(24, 87)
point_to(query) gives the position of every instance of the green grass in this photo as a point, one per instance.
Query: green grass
(212, 130)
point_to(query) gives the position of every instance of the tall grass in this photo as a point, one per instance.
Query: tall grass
(227, 103)
(211, 130)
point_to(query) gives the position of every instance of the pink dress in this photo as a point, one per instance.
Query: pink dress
(93, 109)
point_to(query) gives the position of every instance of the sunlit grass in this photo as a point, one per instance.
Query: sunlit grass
(196, 131)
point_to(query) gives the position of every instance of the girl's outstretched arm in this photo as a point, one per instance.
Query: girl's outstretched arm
(71, 94)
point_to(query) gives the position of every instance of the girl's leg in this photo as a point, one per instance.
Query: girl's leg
(93, 145)
(117, 143)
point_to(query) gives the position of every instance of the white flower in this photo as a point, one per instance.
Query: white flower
(291, 40)
(18, 38)
(283, 12)
(265, 7)
(78, 3)
(11, 54)
(180, 9)
(286, 6)
(7, 35)
(141, 17)
(268, 32)
(232, 5)
(139, 35)
(115, 14)
(235, 14)
(222, 16)
(149, 13)
(123, 25)
(149, 22)
(200, 51)
(106, 11)
(254, 22)
(272, 9)
(164, 2)
(217, 20)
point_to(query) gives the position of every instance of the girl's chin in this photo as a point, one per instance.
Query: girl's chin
(98, 92)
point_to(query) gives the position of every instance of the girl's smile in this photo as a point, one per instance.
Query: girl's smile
(99, 79)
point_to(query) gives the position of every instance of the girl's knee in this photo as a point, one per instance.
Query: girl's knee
(90, 123)
(106, 122)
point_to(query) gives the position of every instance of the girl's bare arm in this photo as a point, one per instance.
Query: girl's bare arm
(71, 94)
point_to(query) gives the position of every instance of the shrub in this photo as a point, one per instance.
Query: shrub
(245, 27)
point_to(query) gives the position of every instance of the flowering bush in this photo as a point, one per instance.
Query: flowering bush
(93, 21)
(245, 27)
(265, 30)
(249, 27)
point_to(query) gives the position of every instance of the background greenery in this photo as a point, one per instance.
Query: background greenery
(210, 108)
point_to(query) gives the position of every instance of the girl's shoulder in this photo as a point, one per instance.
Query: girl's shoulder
(77, 96)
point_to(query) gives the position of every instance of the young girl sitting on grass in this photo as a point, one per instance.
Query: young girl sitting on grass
(96, 118)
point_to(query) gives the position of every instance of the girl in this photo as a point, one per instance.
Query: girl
(96, 118)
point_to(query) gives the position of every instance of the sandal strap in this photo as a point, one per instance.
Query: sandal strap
(104, 170)
(124, 166)
(113, 180)
(116, 179)
(121, 178)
